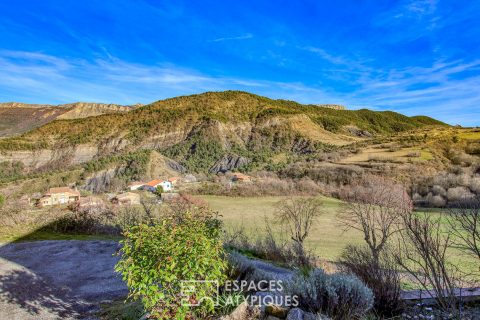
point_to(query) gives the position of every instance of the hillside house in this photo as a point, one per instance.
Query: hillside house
(126, 199)
(174, 180)
(136, 185)
(59, 196)
(90, 202)
(152, 185)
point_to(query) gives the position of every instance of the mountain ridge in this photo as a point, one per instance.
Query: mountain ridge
(17, 117)
(199, 130)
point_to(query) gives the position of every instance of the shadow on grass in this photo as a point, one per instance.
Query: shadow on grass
(48, 234)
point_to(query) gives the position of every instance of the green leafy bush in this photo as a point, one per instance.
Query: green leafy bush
(157, 259)
(159, 191)
(338, 295)
(2, 200)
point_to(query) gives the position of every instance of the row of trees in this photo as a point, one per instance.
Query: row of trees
(397, 241)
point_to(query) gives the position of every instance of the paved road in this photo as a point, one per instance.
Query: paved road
(57, 279)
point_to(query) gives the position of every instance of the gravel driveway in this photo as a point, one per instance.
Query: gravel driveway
(57, 279)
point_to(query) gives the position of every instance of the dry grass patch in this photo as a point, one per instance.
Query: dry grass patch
(326, 239)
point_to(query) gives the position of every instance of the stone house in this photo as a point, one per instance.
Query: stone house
(59, 196)
(90, 202)
(127, 198)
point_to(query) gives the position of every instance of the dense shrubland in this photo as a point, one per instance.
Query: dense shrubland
(460, 183)
(180, 112)
(400, 240)
(265, 183)
(11, 171)
(197, 154)
(135, 161)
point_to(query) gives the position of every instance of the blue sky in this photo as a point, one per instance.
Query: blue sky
(414, 57)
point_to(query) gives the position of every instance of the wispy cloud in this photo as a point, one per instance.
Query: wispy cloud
(437, 90)
(46, 79)
(241, 37)
(325, 55)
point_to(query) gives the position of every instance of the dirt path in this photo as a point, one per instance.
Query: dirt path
(57, 279)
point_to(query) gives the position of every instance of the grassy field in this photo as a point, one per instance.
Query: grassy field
(327, 239)
(384, 154)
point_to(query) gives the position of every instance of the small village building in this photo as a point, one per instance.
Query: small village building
(126, 199)
(240, 177)
(90, 202)
(136, 185)
(59, 196)
(174, 180)
(152, 185)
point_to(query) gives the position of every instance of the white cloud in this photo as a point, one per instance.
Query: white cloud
(437, 90)
(242, 37)
(116, 81)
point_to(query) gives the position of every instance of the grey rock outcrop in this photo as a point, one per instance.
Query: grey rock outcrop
(229, 163)
(102, 180)
(295, 314)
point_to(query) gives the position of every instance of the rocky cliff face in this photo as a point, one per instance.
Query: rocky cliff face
(219, 130)
(229, 163)
(60, 157)
(276, 134)
(83, 110)
(17, 118)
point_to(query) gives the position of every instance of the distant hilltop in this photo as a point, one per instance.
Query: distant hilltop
(332, 106)
(92, 105)
(17, 118)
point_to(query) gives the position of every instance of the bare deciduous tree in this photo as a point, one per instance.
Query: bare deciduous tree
(465, 225)
(149, 206)
(298, 215)
(375, 207)
(422, 253)
(128, 216)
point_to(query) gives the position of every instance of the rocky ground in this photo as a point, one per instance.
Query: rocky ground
(57, 279)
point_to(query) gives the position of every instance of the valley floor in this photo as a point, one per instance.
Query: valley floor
(327, 238)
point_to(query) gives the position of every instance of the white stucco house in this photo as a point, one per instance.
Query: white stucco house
(136, 185)
(152, 185)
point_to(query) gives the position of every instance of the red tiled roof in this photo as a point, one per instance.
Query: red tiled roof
(153, 183)
(63, 190)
